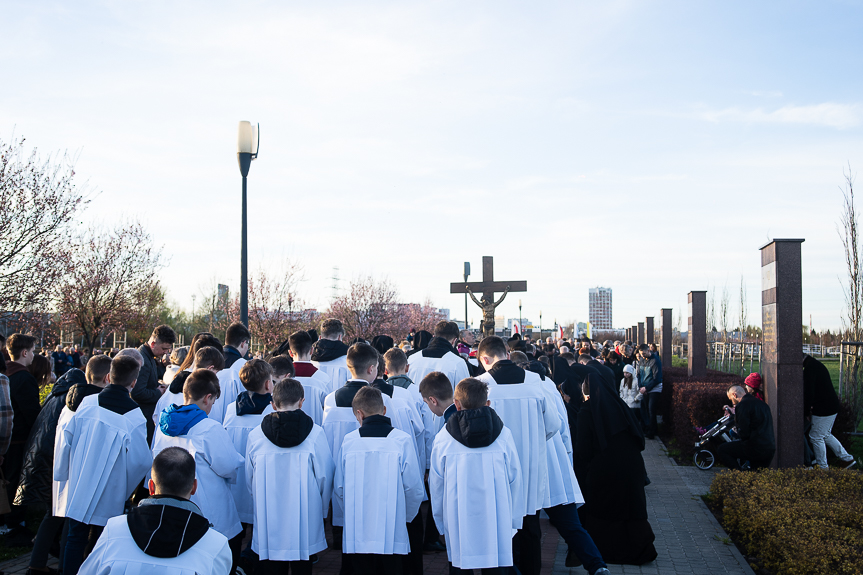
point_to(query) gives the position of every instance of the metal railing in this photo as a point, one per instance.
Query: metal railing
(850, 363)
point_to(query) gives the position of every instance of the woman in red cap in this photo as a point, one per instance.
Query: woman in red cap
(753, 385)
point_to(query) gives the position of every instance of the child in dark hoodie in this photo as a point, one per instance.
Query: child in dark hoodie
(475, 483)
(289, 455)
(244, 415)
(217, 461)
(166, 530)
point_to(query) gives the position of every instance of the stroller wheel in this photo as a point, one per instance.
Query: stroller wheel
(704, 459)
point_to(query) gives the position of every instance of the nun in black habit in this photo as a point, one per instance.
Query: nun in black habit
(610, 471)
(421, 341)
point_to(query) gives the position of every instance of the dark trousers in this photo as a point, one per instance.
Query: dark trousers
(236, 545)
(413, 561)
(267, 567)
(371, 564)
(527, 546)
(79, 542)
(431, 533)
(44, 539)
(649, 409)
(13, 461)
(729, 453)
(565, 520)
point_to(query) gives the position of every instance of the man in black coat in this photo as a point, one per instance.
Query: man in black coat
(821, 405)
(755, 426)
(147, 390)
(24, 396)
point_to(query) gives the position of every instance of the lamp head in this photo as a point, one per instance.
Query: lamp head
(248, 138)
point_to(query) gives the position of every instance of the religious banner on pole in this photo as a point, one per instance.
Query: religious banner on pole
(516, 328)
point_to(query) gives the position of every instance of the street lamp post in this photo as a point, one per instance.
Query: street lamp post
(520, 328)
(248, 138)
(540, 324)
(466, 274)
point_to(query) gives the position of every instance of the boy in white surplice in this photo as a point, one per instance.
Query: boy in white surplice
(288, 455)
(379, 485)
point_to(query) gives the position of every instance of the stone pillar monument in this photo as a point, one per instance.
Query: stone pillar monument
(697, 334)
(782, 353)
(648, 330)
(640, 333)
(665, 337)
(634, 334)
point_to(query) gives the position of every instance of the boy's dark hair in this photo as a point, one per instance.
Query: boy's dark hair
(446, 329)
(164, 334)
(254, 374)
(519, 358)
(643, 347)
(288, 392)
(97, 368)
(19, 342)
(40, 369)
(209, 357)
(300, 342)
(471, 393)
(201, 383)
(395, 359)
(361, 356)
(174, 471)
(437, 385)
(282, 365)
(236, 334)
(124, 371)
(332, 326)
(368, 400)
(567, 356)
(493, 347)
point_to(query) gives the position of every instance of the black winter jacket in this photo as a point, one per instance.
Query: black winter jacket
(38, 470)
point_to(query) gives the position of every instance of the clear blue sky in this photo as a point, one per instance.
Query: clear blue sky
(651, 147)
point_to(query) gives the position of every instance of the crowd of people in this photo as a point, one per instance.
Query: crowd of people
(204, 457)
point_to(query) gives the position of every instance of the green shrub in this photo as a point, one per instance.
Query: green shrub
(797, 521)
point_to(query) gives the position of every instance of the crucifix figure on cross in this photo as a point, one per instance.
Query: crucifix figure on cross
(488, 287)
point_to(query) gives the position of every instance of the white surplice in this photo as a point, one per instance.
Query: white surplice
(451, 365)
(230, 387)
(337, 370)
(528, 413)
(101, 456)
(476, 496)
(562, 485)
(315, 390)
(216, 465)
(116, 553)
(239, 427)
(291, 489)
(379, 487)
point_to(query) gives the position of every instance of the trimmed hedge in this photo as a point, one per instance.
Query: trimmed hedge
(690, 403)
(796, 521)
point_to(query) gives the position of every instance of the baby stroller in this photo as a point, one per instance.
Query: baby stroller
(718, 432)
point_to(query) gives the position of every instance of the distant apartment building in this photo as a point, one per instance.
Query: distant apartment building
(600, 308)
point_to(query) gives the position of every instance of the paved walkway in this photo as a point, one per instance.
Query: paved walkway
(689, 540)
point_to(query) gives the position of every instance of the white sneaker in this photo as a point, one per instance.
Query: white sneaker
(849, 464)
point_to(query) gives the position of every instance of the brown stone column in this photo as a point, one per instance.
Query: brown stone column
(648, 330)
(640, 332)
(665, 338)
(626, 337)
(782, 353)
(697, 334)
(634, 334)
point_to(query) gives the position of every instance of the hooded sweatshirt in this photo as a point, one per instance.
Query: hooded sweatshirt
(250, 403)
(287, 428)
(328, 350)
(165, 526)
(77, 393)
(179, 419)
(474, 428)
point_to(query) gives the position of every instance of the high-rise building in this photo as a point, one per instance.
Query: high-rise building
(600, 308)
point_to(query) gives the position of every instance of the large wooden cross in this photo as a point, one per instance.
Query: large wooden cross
(488, 287)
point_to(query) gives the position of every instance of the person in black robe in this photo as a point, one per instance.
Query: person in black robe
(421, 341)
(610, 471)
